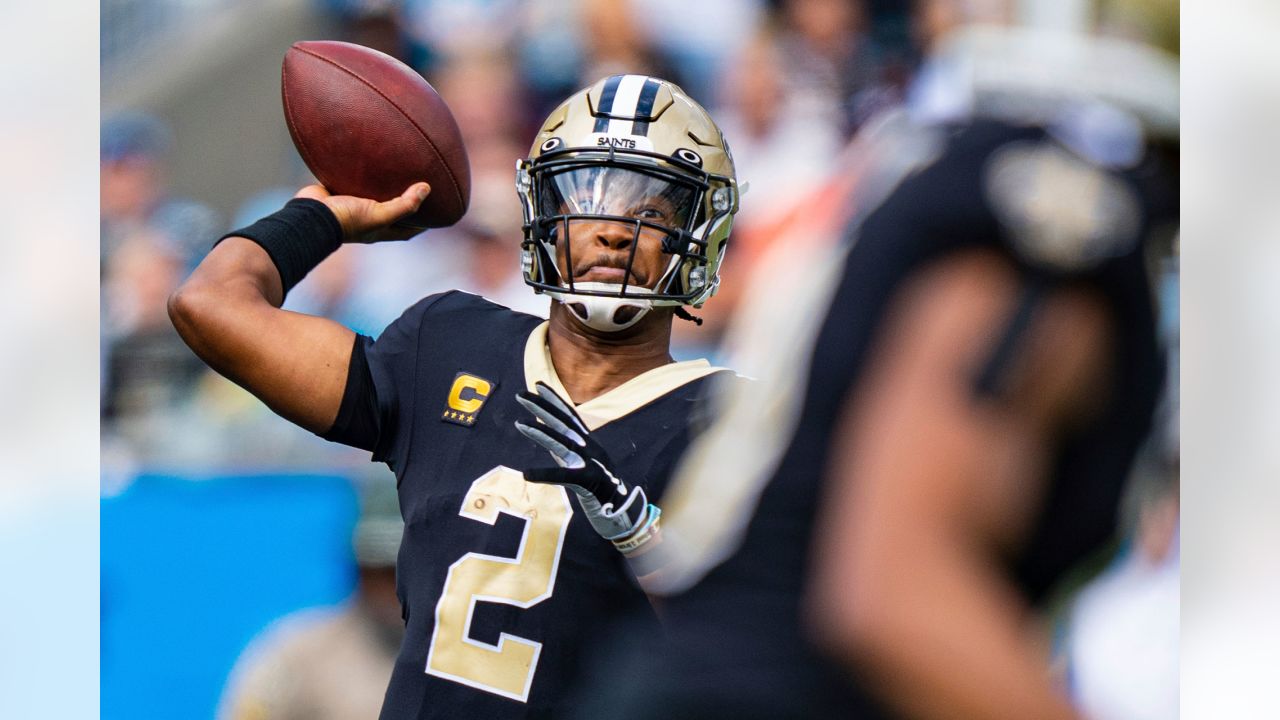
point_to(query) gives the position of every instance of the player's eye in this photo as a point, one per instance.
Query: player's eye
(652, 212)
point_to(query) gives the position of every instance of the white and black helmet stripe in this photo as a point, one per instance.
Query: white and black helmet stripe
(606, 102)
(626, 99)
(644, 107)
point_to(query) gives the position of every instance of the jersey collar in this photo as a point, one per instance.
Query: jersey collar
(620, 401)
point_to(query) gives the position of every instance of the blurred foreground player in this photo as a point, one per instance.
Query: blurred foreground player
(629, 194)
(946, 413)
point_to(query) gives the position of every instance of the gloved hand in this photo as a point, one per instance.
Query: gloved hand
(617, 511)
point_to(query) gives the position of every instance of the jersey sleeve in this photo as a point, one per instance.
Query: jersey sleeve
(376, 413)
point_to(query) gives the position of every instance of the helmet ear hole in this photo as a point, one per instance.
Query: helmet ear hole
(689, 156)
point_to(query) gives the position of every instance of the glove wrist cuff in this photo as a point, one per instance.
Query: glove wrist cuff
(642, 535)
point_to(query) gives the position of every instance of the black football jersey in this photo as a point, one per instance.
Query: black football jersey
(502, 582)
(741, 511)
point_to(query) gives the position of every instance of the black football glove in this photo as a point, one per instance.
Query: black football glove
(617, 511)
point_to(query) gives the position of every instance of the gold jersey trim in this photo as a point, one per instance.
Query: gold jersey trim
(620, 401)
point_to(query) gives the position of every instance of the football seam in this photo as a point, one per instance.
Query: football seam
(457, 193)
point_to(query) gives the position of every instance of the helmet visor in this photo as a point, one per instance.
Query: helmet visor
(619, 192)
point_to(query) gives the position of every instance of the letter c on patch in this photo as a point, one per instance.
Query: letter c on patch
(469, 393)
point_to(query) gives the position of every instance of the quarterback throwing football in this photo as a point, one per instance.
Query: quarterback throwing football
(629, 193)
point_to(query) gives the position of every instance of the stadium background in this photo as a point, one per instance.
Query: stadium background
(217, 516)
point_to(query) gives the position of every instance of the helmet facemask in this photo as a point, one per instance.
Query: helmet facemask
(638, 164)
(639, 203)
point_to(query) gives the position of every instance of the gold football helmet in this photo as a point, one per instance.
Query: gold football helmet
(611, 153)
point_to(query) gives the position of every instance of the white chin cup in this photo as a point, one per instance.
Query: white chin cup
(600, 313)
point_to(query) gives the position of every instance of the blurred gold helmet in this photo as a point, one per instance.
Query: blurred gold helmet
(609, 154)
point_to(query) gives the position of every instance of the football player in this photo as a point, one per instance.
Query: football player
(946, 411)
(629, 194)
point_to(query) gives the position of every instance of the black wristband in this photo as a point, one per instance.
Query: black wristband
(297, 237)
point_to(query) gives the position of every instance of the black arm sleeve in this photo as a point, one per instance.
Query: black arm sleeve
(376, 413)
(359, 423)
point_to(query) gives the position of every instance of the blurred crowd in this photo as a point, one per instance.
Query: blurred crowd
(788, 80)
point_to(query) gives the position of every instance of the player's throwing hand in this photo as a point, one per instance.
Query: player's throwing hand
(619, 512)
(369, 221)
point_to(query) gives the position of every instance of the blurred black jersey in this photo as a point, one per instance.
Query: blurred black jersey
(502, 582)
(742, 509)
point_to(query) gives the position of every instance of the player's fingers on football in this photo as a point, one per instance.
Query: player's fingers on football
(409, 200)
(384, 213)
(417, 193)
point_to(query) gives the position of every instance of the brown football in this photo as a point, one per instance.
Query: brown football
(368, 125)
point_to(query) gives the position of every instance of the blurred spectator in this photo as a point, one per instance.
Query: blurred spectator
(700, 39)
(783, 157)
(134, 194)
(615, 42)
(343, 287)
(487, 99)
(161, 405)
(550, 52)
(329, 288)
(829, 58)
(372, 23)
(1151, 21)
(331, 665)
(148, 368)
(492, 232)
(496, 62)
(444, 29)
(1122, 638)
(481, 255)
(1122, 632)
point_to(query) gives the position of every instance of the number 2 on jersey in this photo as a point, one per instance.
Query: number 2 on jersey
(507, 668)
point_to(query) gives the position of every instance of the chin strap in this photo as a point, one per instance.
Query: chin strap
(601, 313)
(686, 315)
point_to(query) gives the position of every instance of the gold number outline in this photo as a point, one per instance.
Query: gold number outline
(507, 668)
